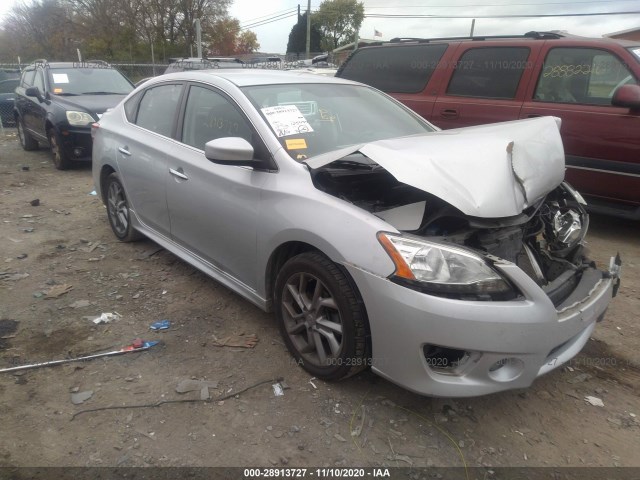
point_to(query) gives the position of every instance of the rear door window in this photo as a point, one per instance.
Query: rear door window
(404, 69)
(489, 72)
(158, 109)
(581, 75)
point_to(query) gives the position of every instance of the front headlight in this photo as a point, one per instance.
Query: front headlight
(79, 118)
(440, 268)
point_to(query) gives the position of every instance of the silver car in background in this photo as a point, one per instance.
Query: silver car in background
(450, 262)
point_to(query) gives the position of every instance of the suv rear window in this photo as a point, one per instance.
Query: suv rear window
(405, 69)
(489, 72)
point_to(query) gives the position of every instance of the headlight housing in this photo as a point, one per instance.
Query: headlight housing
(79, 119)
(442, 269)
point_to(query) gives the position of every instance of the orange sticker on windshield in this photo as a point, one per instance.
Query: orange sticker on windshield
(296, 143)
(57, 90)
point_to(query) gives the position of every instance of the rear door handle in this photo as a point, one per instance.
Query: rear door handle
(124, 151)
(449, 113)
(178, 173)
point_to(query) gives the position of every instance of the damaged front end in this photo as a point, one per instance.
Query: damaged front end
(461, 210)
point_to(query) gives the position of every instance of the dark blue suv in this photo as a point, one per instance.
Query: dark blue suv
(56, 103)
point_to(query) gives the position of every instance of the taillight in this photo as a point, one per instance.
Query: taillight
(94, 129)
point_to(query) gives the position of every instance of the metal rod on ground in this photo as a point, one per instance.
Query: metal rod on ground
(136, 346)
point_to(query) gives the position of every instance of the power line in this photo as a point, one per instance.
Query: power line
(269, 15)
(498, 4)
(270, 20)
(540, 15)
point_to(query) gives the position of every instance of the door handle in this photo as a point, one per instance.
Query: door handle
(449, 113)
(178, 173)
(124, 151)
(533, 115)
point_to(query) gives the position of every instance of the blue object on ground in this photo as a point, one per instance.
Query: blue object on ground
(161, 325)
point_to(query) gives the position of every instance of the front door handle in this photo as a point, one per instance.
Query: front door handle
(449, 113)
(534, 115)
(178, 173)
(124, 151)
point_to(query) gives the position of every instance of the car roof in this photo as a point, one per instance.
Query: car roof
(244, 77)
(527, 37)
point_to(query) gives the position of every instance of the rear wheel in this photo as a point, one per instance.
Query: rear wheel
(118, 210)
(320, 317)
(60, 159)
(27, 141)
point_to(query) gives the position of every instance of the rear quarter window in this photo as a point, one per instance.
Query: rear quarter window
(402, 69)
(489, 72)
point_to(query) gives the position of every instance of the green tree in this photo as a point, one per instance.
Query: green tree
(298, 37)
(339, 20)
(247, 42)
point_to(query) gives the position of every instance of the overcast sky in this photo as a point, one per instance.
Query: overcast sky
(273, 36)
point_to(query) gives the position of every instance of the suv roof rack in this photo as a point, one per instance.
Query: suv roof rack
(534, 35)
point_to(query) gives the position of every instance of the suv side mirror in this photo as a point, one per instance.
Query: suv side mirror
(230, 151)
(34, 92)
(627, 96)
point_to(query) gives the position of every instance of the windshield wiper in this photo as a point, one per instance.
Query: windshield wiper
(67, 94)
(353, 164)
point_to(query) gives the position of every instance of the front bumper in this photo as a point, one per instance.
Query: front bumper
(77, 143)
(509, 343)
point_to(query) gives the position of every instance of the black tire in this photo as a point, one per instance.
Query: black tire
(321, 318)
(118, 210)
(60, 159)
(27, 141)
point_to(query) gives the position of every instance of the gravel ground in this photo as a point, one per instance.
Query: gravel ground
(76, 271)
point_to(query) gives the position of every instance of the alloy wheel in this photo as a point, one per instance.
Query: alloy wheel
(312, 319)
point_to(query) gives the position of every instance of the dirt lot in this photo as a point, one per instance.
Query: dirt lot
(66, 241)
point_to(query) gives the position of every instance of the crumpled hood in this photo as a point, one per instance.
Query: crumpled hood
(488, 171)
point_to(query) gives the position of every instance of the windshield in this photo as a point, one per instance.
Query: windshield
(88, 81)
(312, 119)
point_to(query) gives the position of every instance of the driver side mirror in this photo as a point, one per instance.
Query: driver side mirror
(230, 151)
(34, 92)
(627, 96)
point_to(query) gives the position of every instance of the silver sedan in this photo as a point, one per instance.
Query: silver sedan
(449, 262)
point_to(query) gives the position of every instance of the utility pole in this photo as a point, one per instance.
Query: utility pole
(308, 28)
(473, 25)
(199, 37)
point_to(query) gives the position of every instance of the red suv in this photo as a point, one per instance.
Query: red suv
(590, 83)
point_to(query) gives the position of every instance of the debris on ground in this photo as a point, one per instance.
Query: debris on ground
(12, 277)
(138, 345)
(160, 325)
(105, 317)
(240, 340)
(58, 290)
(81, 397)
(35, 202)
(595, 401)
(277, 390)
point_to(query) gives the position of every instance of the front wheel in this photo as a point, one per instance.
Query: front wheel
(27, 142)
(118, 210)
(320, 316)
(60, 159)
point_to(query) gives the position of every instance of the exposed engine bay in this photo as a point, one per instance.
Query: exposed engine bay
(545, 240)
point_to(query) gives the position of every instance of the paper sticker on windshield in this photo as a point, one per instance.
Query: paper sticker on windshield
(60, 78)
(296, 143)
(57, 90)
(286, 120)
